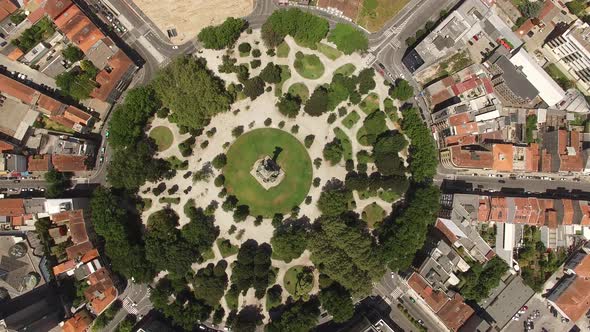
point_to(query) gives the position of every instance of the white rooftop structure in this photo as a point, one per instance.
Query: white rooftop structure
(53, 206)
(548, 89)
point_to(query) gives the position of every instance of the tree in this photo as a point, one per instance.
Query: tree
(577, 7)
(77, 83)
(344, 250)
(128, 121)
(72, 53)
(130, 168)
(423, 153)
(271, 73)
(289, 105)
(223, 35)
(480, 280)
(333, 151)
(403, 236)
(348, 39)
(210, 283)
(530, 9)
(338, 302)
(191, 92)
(374, 125)
(254, 87)
(253, 267)
(297, 317)
(247, 319)
(241, 213)
(219, 161)
(366, 81)
(390, 164)
(244, 48)
(201, 231)
(289, 241)
(112, 223)
(165, 247)
(402, 90)
(334, 200)
(317, 104)
(305, 28)
(57, 183)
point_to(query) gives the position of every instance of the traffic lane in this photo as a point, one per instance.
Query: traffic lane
(526, 185)
(400, 319)
(417, 312)
(112, 325)
(10, 184)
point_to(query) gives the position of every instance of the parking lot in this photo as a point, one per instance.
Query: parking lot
(545, 320)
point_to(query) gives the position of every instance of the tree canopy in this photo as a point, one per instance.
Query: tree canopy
(343, 249)
(57, 183)
(317, 104)
(271, 73)
(210, 283)
(289, 105)
(165, 246)
(480, 280)
(348, 39)
(403, 236)
(338, 302)
(253, 267)
(112, 223)
(289, 241)
(333, 151)
(423, 153)
(334, 200)
(191, 92)
(224, 35)
(402, 90)
(299, 316)
(307, 29)
(130, 168)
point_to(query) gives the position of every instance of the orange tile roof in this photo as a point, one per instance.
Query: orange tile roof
(16, 54)
(583, 268)
(63, 121)
(39, 163)
(119, 64)
(76, 115)
(466, 128)
(78, 28)
(446, 231)
(435, 299)
(67, 216)
(465, 158)
(36, 15)
(585, 208)
(7, 7)
(79, 250)
(503, 157)
(80, 322)
(532, 158)
(54, 8)
(483, 212)
(17, 90)
(526, 210)
(545, 161)
(68, 163)
(5, 146)
(568, 212)
(499, 209)
(455, 312)
(460, 140)
(64, 267)
(569, 162)
(89, 256)
(458, 119)
(49, 105)
(575, 300)
(101, 292)
(12, 207)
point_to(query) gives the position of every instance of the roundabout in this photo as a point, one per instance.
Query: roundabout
(288, 153)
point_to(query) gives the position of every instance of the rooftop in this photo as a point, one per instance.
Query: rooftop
(117, 68)
(80, 322)
(78, 28)
(434, 298)
(455, 312)
(69, 163)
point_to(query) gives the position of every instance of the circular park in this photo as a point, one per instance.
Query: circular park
(268, 170)
(299, 281)
(163, 137)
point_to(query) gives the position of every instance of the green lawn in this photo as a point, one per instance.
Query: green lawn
(226, 248)
(285, 75)
(329, 51)
(372, 214)
(559, 77)
(298, 281)
(351, 119)
(346, 69)
(390, 109)
(45, 122)
(283, 50)
(361, 137)
(370, 104)
(177, 164)
(163, 137)
(147, 203)
(346, 144)
(309, 66)
(169, 200)
(293, 159)
(208, 254)
(299, 89)
(388, 196)
(373, 14)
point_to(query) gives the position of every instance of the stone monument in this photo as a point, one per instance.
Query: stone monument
(267, 172)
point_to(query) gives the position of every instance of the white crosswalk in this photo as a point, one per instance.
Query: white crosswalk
(130, 306)
(396, 293)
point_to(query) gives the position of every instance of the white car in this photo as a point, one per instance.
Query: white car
(174, 47)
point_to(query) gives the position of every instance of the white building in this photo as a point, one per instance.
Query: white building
(571, 51)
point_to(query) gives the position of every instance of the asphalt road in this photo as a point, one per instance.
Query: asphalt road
(137, 293)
